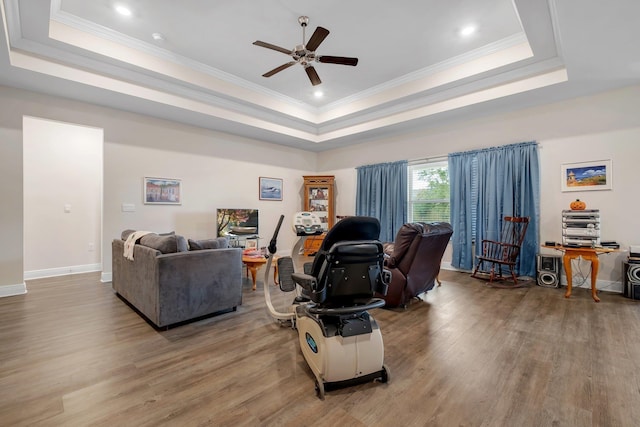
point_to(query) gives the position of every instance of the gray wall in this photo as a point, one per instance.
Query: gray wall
(11, 264)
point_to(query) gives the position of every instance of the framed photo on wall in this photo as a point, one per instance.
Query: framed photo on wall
(270, 188)
(587, 176)
(162, 191)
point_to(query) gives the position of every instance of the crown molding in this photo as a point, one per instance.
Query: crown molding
(498, 46)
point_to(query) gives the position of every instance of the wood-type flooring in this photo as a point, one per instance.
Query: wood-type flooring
(73, 354)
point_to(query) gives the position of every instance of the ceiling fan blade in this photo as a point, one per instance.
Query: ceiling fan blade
(272, 46)
(278, 69)
(338, 60)
(313, 75)
(318, 36)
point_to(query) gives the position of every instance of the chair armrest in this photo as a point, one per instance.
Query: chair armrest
(340, 311)
(306, 281)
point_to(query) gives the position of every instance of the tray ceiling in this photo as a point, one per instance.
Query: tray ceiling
(415, 67)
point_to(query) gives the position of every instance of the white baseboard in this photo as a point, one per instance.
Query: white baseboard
(62, 271)
(106, 277)
(601, 285)
(447, 266)
(12, 290)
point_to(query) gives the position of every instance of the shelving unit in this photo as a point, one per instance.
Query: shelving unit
(319, 198)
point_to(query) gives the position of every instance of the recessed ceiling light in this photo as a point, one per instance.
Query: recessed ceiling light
(158, 37)
(468, 30)
(318, 94)
(123, 10)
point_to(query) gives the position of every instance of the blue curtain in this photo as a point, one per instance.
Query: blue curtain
(505, 182)
(382, 193)
(461, 186)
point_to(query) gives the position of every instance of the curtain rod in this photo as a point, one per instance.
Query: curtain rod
(442, 157)
(429, 159)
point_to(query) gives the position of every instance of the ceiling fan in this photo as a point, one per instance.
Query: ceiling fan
(305, 54)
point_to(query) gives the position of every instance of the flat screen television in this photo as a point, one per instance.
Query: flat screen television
(236, 222)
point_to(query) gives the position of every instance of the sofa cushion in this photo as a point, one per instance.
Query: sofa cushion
(126, 233)
(181, 243)
(164, 244)
(217, 243)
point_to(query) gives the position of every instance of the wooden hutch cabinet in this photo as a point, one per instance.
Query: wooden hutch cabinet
(319, 199)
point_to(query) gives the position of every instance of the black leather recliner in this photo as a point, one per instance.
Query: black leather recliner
(414, 260)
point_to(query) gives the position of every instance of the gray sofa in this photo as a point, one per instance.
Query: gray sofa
(170, 288)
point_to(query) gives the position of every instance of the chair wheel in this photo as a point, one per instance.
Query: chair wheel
(386, 375)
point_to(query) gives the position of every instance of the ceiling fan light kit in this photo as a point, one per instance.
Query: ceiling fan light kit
(305, 53)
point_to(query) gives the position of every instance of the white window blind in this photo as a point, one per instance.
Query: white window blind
(429, 191)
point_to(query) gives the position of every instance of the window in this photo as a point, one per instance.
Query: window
(429, 191)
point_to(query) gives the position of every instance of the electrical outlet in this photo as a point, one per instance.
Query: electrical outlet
(92, 247)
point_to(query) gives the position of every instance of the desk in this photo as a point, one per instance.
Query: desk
(589, 254)
(253, 263)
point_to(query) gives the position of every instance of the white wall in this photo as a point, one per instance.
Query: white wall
(208, 183)
(62, 198)
(604, 126)
(219, 169)
(618, 207)
(595, 114)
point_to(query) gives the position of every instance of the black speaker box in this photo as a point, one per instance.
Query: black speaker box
(549, 267)
(631, 280)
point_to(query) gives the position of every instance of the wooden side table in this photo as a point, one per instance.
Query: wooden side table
(589, 254)
(253, 263)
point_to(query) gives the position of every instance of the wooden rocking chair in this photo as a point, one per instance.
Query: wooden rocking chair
(504, 252)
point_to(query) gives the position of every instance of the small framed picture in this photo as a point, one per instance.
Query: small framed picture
(587, 176)
(251, 244)
(270, 188)
(162, 191)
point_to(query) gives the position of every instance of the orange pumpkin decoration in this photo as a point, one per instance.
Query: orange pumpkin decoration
(578, 205)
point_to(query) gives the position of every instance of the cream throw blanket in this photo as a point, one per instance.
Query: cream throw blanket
(130, 243)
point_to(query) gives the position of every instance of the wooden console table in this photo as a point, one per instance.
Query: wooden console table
(586, 253)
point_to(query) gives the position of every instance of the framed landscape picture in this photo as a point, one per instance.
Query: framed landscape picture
(270, 188)
(587, 176)
(162, 191)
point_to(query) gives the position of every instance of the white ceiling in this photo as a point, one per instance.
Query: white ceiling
(415, 69)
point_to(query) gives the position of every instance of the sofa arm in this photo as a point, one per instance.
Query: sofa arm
(136, 280)
(198, 283)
